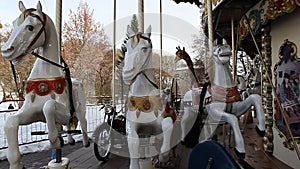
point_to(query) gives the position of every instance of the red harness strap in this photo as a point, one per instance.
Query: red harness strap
(43, 87)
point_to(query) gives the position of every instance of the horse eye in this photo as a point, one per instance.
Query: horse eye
(144, 49)
(30, 28)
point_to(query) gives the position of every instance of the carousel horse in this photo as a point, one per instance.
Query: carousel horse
(147, 113)
(48, 89)
(224, 102)
(251, 82)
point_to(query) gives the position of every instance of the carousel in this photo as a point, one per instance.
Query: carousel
(258, 110)
(265, 30)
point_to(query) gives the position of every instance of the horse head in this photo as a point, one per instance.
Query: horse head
(222, 53)
(27, 34)
(138, 54)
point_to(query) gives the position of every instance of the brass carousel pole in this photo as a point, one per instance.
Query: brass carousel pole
(57, 160)
(141, 15)
(234, 55)
(58, 22)
(161, 52)
(210, 27)
(114, 54)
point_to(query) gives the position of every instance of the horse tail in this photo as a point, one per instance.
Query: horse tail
(201, 101)
(192, 137)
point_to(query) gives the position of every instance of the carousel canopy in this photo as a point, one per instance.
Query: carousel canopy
(196, 2)
(223, 12)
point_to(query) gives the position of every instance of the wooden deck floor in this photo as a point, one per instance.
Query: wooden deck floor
(256, 158)
(84, 158)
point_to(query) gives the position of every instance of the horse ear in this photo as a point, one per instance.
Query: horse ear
(21, 6)
(148, 31)
(130, 32)
(39, 6)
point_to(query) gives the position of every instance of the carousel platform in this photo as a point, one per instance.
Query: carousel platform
(255, 158)
(84, 158)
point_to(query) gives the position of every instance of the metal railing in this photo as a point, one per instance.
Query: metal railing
(93, 115)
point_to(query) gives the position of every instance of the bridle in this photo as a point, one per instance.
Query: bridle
(40, 31)
(140, 35)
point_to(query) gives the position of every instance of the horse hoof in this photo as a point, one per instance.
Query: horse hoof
(72, 142)
(239, 155)
(87, 145)
(61, 140)
(260, 132)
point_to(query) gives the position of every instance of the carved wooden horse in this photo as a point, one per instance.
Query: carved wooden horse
(146, 112)
(47, 92)
(226, 104)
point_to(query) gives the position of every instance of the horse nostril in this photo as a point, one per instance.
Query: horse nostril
(11, 48)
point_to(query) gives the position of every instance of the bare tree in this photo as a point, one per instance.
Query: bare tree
(87, 50)
(22, 71)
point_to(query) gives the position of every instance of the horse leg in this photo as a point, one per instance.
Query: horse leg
(133, 145)
(253, 100)
(234, 123)
(187, 122)
(55, 112)
(260, 115)
(216, 112)
(83, 122)
(80, 108)
(167, 129)
(11, 128)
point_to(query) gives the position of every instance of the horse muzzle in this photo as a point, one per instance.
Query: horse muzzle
(10, 54)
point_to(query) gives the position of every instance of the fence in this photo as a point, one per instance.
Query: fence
(93, 115)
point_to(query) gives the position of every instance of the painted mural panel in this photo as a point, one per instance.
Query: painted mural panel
(287, 72)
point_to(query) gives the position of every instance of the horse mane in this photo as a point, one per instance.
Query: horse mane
(24, 14)
(120, 53)
(211, 69)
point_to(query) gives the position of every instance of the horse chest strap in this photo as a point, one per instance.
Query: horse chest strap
(45, 86)
(227, 95)
(145, 104)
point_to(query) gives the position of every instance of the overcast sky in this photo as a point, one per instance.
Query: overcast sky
(180, 21)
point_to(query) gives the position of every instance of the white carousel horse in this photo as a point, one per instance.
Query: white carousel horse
(47, 92)
(146, 111)
(226, 104)
(251, 82)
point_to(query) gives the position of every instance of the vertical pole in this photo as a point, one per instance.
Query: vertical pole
(58, 152)
(58, 22)
(141, 15)
(210, 27)
(114, 54)
(160, 59)
(233, 52)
